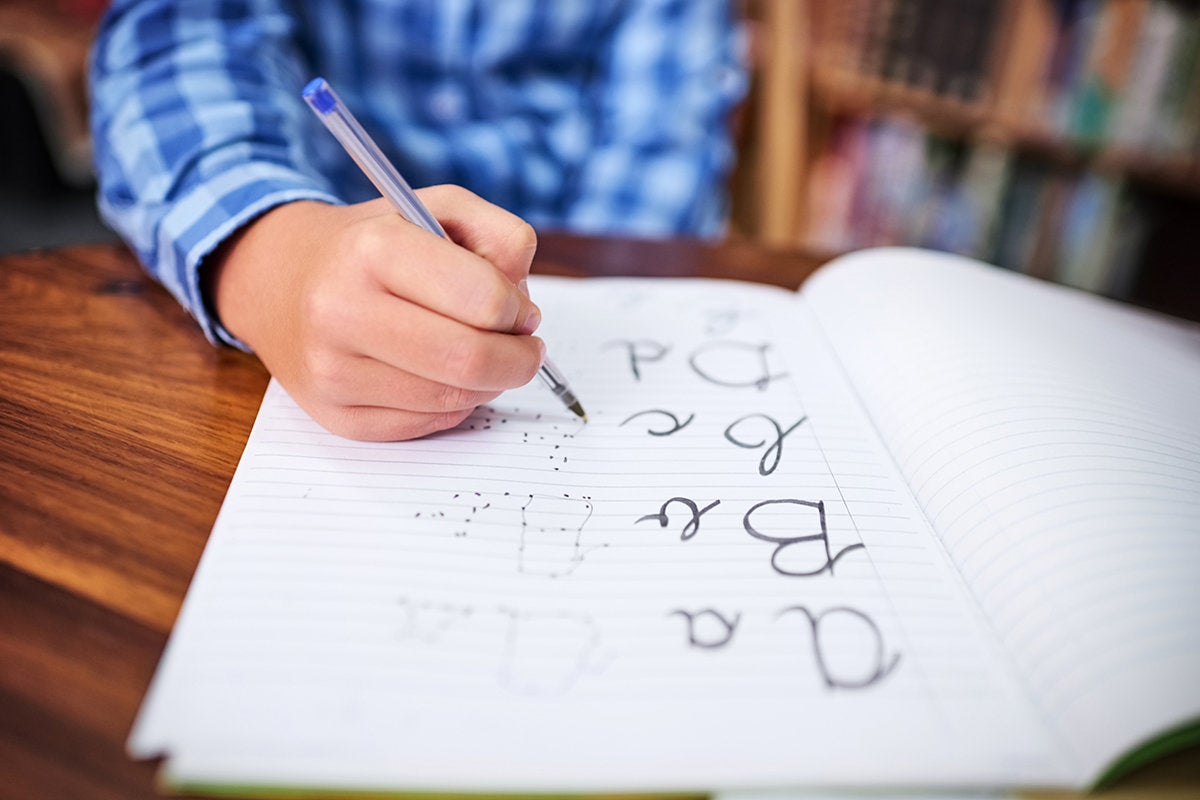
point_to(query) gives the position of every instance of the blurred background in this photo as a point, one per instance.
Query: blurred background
(46, 185)
(1060, 138)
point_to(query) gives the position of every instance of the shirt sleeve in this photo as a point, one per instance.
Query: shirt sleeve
(666, 89)
(198, 128)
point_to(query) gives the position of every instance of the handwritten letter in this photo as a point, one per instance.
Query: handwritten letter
(723, 555)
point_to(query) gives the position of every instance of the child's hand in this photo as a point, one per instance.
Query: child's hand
(377, 328)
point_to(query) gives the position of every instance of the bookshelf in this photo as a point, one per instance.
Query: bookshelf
(1055, 137)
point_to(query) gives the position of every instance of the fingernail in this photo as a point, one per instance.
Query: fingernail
(523, 287)
(531, 321)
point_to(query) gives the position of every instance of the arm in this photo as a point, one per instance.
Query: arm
(378, 329)
(669, 79)
(197, 130)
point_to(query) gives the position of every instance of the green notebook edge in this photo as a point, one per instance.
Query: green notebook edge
(1172, 740)
(271, 793)
(268, 792)
(1181, 737)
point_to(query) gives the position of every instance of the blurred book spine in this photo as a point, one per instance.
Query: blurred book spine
(1091, 73)
(888, 181)
(1021, 132)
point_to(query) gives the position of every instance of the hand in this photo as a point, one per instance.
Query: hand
(379, 329)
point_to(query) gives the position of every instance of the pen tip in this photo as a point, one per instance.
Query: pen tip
(578, 409)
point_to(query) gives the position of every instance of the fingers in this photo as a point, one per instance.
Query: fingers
(498, 236)
(362, 398)
(341, 381)
(367, 400)
(446, 277)
(372, 424)
(411, 338)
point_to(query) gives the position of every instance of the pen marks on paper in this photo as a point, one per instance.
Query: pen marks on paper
(722, 362)
(798, 556)
(860, 659)
(692, 526)
(548, 529)
(453, 514)
(770, 458)
(848, 647)
(481, 507)
(802, 546)
(674, 425)
(547, 653)
(427, 621)
(708, 629)
(535, 653)
(640, 351)
(734, 364)
(551, 534)
(532, 425)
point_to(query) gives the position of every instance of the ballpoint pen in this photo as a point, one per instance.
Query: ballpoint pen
(391, 184)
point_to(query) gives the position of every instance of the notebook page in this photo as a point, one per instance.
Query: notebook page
(1052, 438)
(718, 581)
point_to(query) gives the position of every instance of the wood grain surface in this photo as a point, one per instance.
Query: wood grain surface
(120, 428)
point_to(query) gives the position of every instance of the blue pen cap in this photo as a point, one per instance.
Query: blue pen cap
(319, 96)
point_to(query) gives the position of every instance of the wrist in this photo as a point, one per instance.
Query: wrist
(242, 274)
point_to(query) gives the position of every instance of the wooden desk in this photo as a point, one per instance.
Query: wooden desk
(120, 428)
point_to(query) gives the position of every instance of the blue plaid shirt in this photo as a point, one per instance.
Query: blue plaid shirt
(603, 116)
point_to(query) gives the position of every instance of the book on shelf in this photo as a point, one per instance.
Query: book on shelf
(1024, 201)
(922, 523)
(971, 36)
(832, 178)
(1179, 128)
(1075, 23)
(1064, 87)
(984, 180)
(900, 29)
(939, 46)
(1122, 75)
(887, 181)
(1089, 228)
(1045, 251)
(1139, 108)
(1130, 231)
(1096, 74)
(1102, 82)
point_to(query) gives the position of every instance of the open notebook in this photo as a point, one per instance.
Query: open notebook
(923, 523)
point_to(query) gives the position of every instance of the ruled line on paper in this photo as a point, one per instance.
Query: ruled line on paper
(754, 545)
(1051, 440)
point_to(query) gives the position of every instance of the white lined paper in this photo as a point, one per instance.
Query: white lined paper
(505, 587)
(1052, 439)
